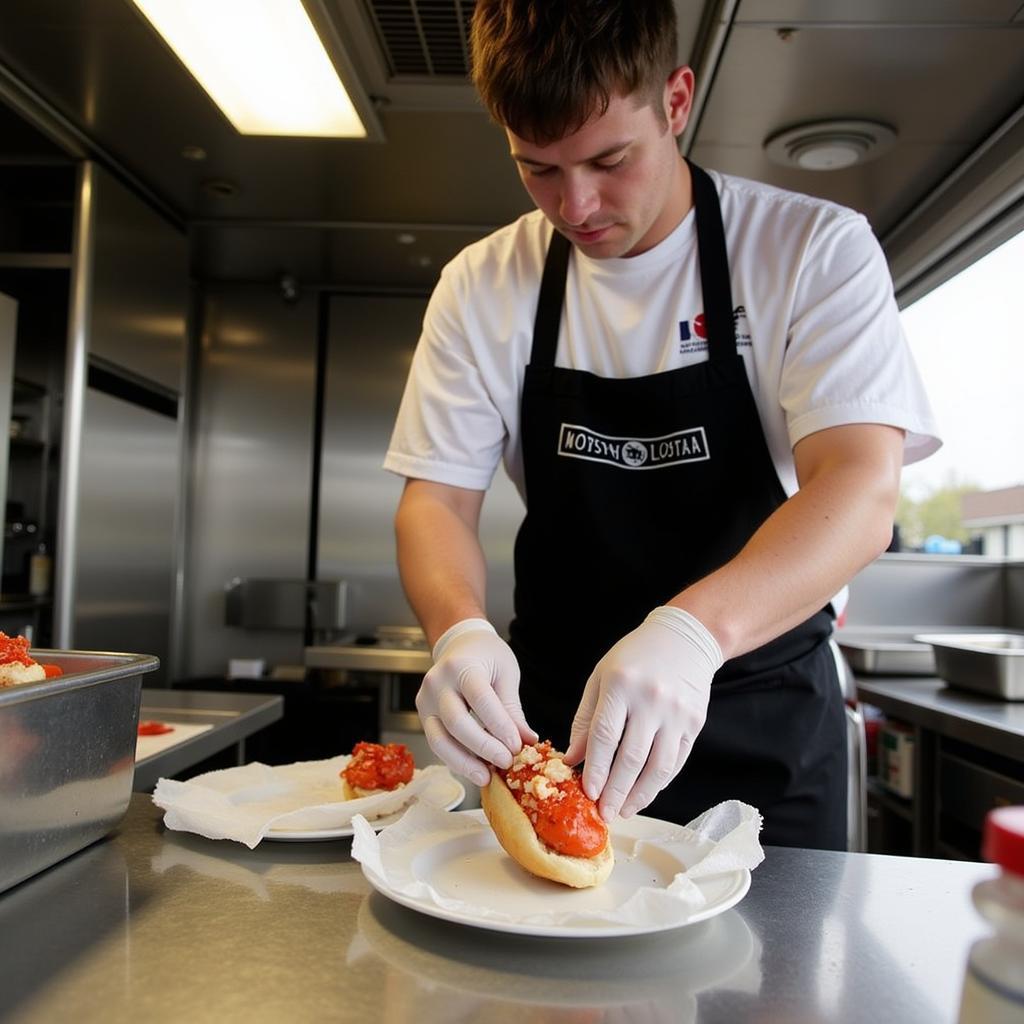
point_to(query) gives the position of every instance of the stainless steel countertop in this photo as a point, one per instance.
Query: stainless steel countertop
(234, 716)
(163, 926)
(930, 703)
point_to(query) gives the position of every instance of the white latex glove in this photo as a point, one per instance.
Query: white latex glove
(642, 708)
(469, 701)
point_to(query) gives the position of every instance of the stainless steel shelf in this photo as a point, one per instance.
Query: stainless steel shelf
(368, 658)
(234, 716)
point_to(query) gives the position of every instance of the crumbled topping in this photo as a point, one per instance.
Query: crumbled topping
(542, 788)
(557, 770)
(528, 755)
(549, 792)
(538, 771)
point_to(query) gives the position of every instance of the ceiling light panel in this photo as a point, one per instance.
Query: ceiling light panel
(261, 62)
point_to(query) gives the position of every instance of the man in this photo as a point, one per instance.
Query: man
(706, 426)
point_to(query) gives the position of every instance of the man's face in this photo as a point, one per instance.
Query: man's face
(617, 186)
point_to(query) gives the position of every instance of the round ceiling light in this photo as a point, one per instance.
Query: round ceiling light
(829, 145)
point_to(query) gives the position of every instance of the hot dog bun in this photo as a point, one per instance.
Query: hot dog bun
(517, 835)
(350, 792)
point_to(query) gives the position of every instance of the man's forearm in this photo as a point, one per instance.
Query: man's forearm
(440, 560)
(802, 555)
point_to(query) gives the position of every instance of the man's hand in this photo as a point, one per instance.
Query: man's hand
(469, 701)
(642, 709)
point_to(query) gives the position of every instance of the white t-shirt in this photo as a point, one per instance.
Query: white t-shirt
(816, 323)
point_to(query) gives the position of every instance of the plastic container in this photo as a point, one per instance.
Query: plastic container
(993, 990)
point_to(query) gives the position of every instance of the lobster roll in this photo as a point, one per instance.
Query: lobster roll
(544, 820)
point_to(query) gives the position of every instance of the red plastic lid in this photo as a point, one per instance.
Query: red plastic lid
(1004, 838)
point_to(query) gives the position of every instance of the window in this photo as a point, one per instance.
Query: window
(968, 339)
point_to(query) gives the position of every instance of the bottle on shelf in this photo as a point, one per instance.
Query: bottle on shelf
(40, 572)
(993, 989)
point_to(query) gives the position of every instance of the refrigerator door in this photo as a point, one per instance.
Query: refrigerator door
(126, 520)
(8, 319)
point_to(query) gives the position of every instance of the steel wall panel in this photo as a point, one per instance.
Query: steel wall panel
(928, 590)
(371, 341)
(252, 466)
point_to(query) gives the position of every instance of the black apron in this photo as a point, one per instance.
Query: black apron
(636, 488)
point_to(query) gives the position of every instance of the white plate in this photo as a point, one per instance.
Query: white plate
(473, 868)
(458, 794)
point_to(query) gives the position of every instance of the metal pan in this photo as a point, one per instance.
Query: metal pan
(991, 663)
(67, 756)
(896, 650)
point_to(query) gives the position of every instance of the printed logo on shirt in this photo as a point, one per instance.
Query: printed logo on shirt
(740, 325)
(576, 442)
(699, 330)
(693, 334)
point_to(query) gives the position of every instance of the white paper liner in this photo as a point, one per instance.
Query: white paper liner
(721, 840)
(244, 804)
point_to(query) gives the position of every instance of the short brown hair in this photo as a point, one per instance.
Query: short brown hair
(543, 67)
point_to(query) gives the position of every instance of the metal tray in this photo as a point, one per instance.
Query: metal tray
(895, 650)
(888, 657)
(991, 663)
(67, 757)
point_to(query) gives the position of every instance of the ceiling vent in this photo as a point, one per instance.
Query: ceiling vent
(423, 38)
